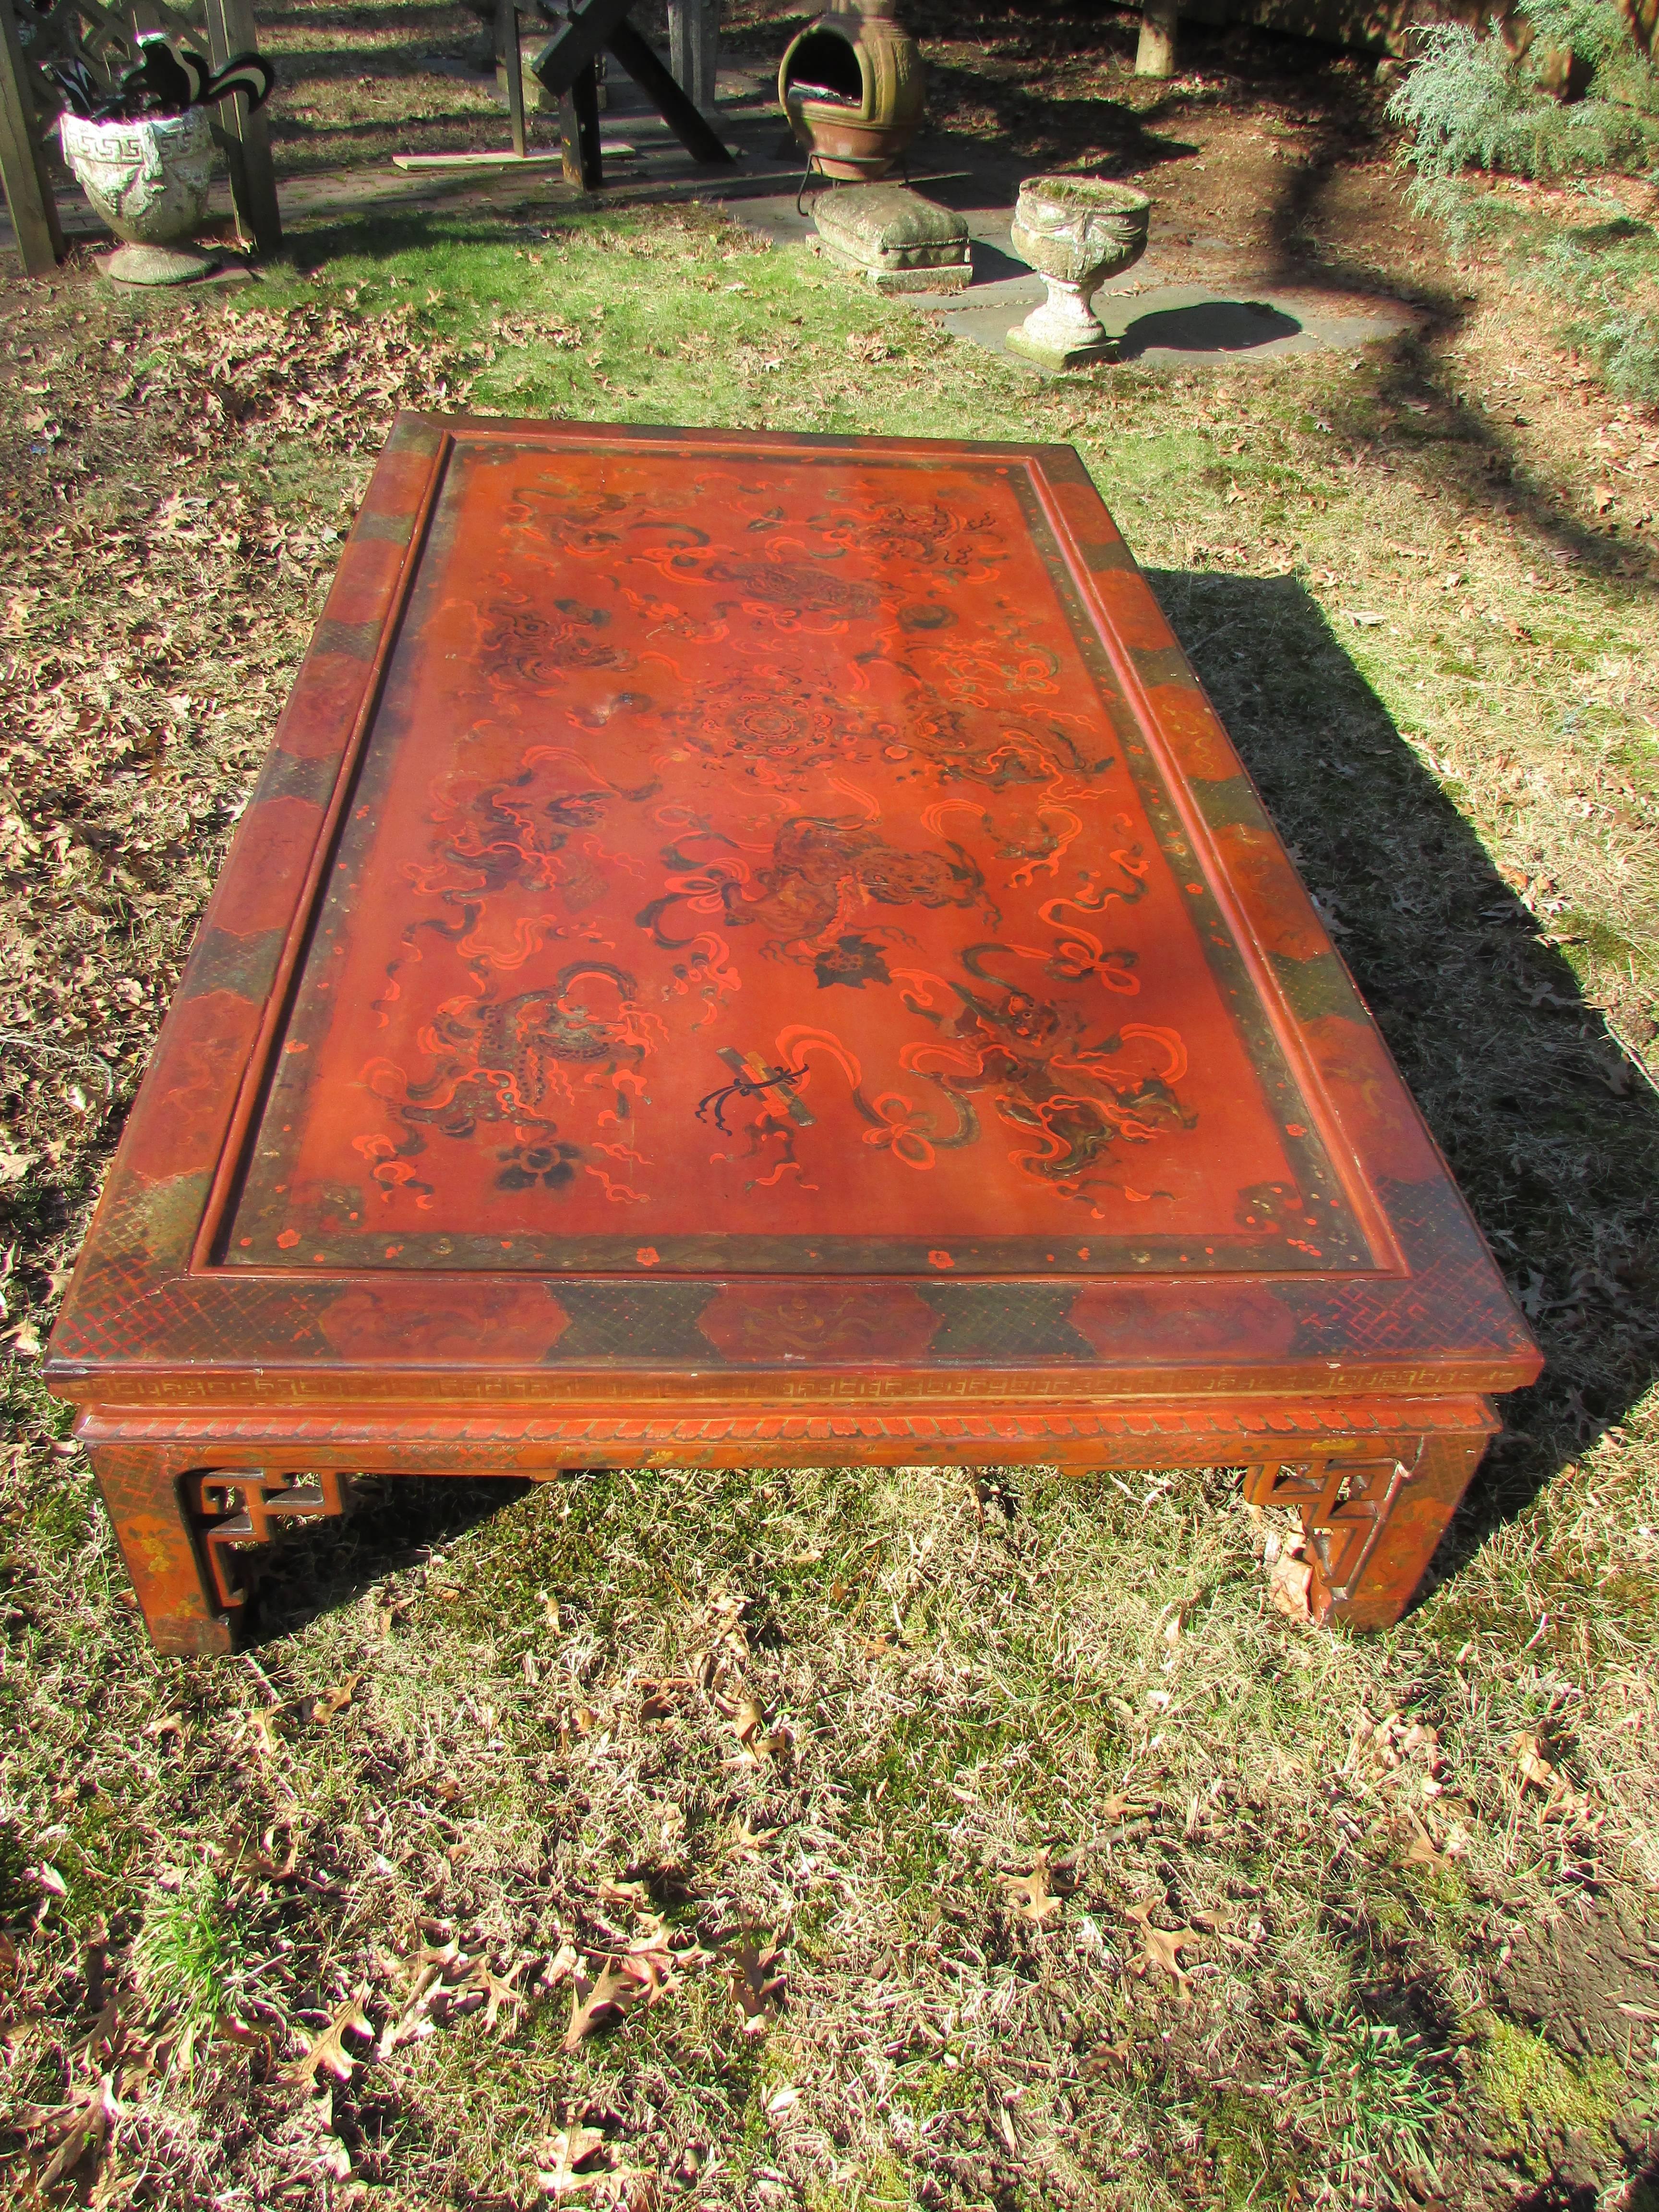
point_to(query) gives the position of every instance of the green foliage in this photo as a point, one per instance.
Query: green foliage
(1468, 103)
(1532, 2093)
(1377, 2096)
(189, 1957)
(1597, 31)
(1607, 275)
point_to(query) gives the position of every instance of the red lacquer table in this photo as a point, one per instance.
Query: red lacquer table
(751, 950)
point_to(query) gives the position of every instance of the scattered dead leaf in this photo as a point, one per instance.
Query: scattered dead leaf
(755, 1740)
(1032, 1897)
(1562, 1802)
(328, 2053)
(598, 2004)
(1115, 1809)
(755, 1984)
(572, 2149)
(335, 1701)
(1164, 1945)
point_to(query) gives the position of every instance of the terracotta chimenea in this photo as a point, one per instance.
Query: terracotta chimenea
(851, 85)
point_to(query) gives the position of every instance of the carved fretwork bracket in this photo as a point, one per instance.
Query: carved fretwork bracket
(1344, 1505)
(239, 1509)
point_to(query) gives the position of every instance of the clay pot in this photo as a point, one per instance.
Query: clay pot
(871, 71)
(149, 182)
(1075, 231)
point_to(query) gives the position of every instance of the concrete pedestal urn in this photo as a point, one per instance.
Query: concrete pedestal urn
(1075, 231)
(150, 181)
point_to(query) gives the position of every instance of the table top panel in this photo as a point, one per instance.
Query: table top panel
(739, 920)
(760, 869)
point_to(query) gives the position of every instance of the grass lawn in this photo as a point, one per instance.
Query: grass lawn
(969, 1843)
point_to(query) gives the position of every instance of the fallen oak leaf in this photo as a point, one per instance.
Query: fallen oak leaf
(1561, 1800)
(431, 1963)
(76, 2130)
(262, 1728)
(329, 2049)
(258, 1854)
(496, 1989)
(1164, 1945)
(1033, 1900)
(572, 2148)
(755, 1740)
(747, 1842)
(1118, 1808)
(649, 1961)
(564, 1961)
(1422, 1850)
(228, 2028)
(755, 1985)
(592, 2003)
(335, 1700)
(661, 1700)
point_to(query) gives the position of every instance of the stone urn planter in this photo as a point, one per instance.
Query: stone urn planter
(1075, 231)
(150, 181)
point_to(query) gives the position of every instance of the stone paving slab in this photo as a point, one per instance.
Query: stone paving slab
(1178, 323)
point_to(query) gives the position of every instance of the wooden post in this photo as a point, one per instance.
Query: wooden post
(683, 118)
(245, 138)
(1156, 54)
(506, 44)
(22, 165)
(694, 30)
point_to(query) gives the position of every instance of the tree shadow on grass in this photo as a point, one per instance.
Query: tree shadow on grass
(1553, 1136)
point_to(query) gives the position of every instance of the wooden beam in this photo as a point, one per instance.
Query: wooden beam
(581, 42)
(22, 164)
(244, 136)
(660, 86)
(578, 130)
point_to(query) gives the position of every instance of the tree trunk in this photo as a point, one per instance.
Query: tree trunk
(1156, 54)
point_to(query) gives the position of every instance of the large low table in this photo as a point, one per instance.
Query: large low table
(754, 951)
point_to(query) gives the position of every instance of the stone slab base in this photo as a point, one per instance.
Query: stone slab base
(1060, 357)
(954, 276)
(156, 265)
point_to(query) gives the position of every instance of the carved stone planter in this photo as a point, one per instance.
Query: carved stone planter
(149, 182)
(1075, 231)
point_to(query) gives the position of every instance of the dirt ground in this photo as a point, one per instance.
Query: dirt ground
(1059, 1869)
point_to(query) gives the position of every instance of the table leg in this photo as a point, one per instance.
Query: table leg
(1413, 1523)
(144, 1497)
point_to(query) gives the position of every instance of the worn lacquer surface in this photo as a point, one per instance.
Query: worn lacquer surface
(764, 871)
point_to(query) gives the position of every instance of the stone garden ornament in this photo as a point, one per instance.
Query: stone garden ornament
(143, 153)
(1075, 231)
